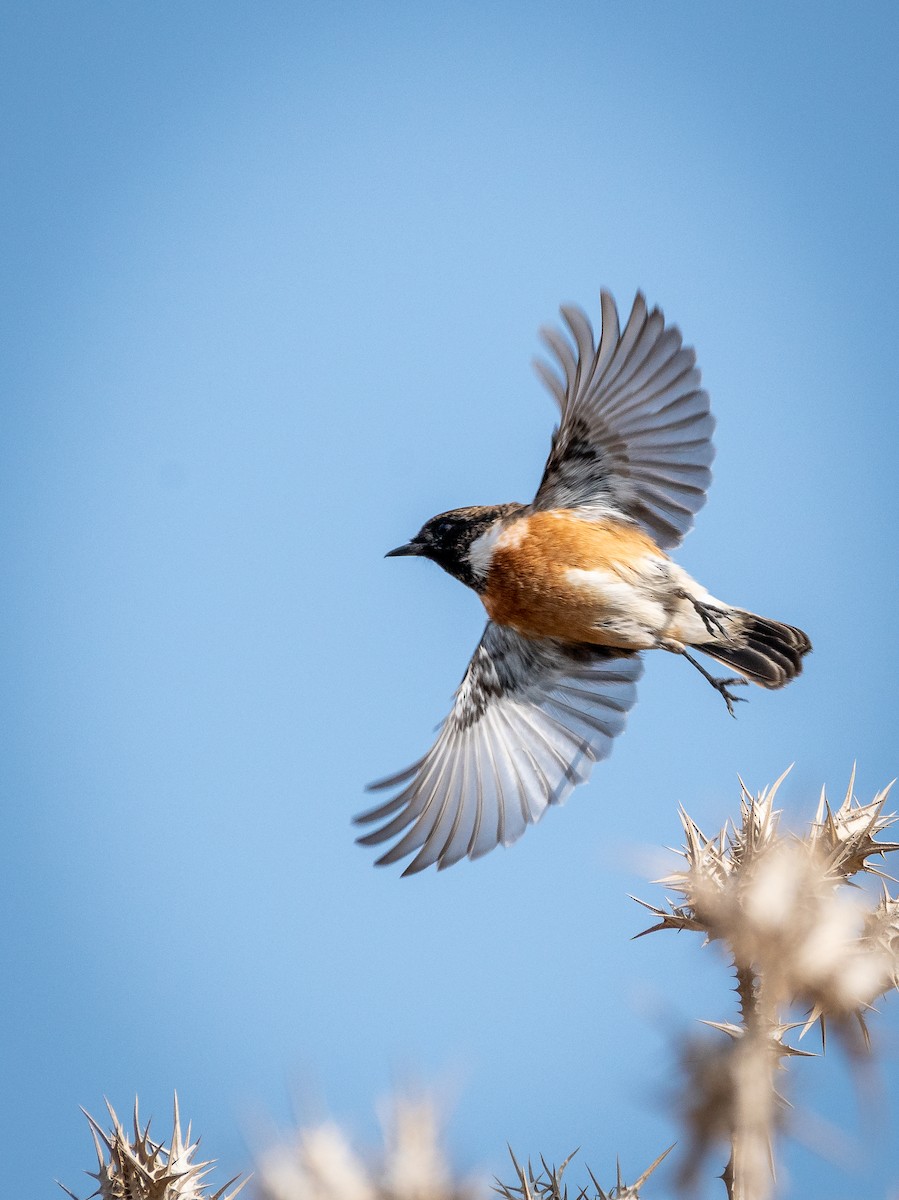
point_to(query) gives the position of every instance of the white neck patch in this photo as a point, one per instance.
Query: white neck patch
(480, 552)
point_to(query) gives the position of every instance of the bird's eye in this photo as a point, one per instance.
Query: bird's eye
(444, 527)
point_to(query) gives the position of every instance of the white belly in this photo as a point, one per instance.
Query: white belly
(629, 610)
(645, 604)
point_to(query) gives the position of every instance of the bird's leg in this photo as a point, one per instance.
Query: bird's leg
(710, 615)
(720, 685)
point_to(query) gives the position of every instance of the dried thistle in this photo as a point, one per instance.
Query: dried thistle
(798, 933)
(728, 1086)
(847, 837)
(139, 1168)
(321, 1164)
(547, 1184)
(779, 905)
(881, 934)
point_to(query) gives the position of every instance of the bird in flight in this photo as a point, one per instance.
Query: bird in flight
(576, 585)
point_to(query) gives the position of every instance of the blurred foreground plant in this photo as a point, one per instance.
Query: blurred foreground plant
(802, 939)
(321, 1164)
(806, 943)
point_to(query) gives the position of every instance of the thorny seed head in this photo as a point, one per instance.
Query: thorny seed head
(546, 1184)
(139, 1168)
(846, 838)
(780, 905)
(881, 933)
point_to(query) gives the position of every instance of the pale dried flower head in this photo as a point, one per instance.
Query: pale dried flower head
(804, 934)
(415, 1166)
(321, 1164)
(798, 932)
(132, 1166)
(780, 904)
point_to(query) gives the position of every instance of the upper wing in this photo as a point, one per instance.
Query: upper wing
(529, 720)
(635, 435)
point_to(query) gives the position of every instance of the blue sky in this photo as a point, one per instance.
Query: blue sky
(272, 280)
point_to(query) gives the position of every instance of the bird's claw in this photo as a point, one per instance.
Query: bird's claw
(711, 616)
(722, 687)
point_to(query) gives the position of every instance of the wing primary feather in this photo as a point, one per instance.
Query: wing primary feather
(582, 332)
(456, 844)
(435, 841)
(689, 435)
(392, 780)
(394, 828)
(610, 334)
(408, 796)
(629, 360)
(384, 810)
(538, 796)
(491, 836)
(538, 778)
(537, 738)
(682, 397)
(534, 793)
(633, 331)
(479, 797)
(644, 433)
(642, 372)
(505, 834)
(610, 700)
(564, 354)
(552, 381)
(674, 485)
(585, 717)
(580, 743)
(414, 799)
(673, 382)
(417, 834)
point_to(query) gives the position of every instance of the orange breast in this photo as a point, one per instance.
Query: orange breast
(527, 585)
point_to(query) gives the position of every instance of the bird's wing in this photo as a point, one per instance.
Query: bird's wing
(529, 720)
(635, 434)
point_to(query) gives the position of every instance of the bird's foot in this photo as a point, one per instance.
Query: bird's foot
(710, 615)
(721, 686)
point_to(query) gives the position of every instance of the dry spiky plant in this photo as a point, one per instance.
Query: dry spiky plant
(804, 941)
(319, 1163)
(802, 938)
(546, 1184)
(139, 1168)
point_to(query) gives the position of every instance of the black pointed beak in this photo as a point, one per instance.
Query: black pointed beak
(410, 548)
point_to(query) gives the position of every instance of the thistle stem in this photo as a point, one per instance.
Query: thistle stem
(746, 994)
(749, 1171)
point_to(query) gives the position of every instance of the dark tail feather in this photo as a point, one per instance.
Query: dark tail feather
(766, 652)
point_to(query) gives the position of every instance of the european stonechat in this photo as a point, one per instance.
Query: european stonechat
(576, 584)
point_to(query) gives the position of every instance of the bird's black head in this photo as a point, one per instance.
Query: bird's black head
(447, 539)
